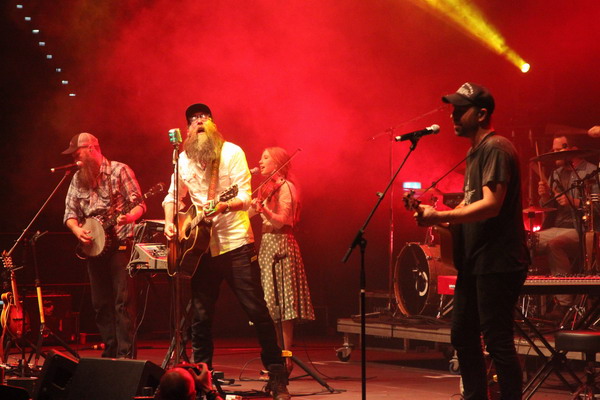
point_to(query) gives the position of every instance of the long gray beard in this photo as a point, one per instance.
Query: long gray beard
(88, 174)
(200, 148)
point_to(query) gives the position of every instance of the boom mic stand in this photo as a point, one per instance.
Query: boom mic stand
(359, 240)
(68, 172)
(44, 329)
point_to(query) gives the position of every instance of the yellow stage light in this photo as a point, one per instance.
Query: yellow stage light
(468, 17)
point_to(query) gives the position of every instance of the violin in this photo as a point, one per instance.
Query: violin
(268, 190)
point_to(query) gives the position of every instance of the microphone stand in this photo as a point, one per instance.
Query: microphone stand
(68, 172)
(178, 325)
(389, 132)
(38, 288)
(359, 240)
(280, 311)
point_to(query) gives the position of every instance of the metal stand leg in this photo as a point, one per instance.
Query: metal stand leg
(172, 347)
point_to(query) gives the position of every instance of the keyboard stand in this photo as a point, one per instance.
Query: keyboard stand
(557, 360)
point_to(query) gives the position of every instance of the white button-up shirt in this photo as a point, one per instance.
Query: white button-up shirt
(231, 230)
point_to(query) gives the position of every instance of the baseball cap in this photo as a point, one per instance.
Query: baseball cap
(471, 94)
(197, 108)
(81, 140)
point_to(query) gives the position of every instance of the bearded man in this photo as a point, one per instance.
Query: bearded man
(231, 255)
(104, 188)
(491, 256)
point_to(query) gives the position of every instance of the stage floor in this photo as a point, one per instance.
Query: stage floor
(410, 375)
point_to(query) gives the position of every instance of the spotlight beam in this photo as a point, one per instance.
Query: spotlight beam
(468, 17)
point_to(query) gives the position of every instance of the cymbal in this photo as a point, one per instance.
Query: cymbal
(537, 210)
(557, 129)
(564, 155)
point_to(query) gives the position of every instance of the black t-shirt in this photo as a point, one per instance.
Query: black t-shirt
(496, 244)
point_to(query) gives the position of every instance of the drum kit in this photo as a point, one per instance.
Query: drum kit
(418, 265)
(589, 206)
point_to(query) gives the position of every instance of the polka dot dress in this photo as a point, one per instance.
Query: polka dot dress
(279, 253)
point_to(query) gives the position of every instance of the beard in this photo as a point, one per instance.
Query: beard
(204, 147)
(88, 173)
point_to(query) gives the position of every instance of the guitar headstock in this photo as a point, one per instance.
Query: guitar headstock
(154, 190)
(229, 193)
(410, 202)
(7, 261)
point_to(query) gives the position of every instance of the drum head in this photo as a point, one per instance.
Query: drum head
(415, 279)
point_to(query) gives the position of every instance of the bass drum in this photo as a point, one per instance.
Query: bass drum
(415, 279)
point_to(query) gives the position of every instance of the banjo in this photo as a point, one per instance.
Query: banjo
(101, 228)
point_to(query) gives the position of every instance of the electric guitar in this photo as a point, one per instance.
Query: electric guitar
(445, 231)
(193, 236)
(101, 228)
(14, 319)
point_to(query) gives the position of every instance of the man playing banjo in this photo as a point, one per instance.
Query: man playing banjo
(99, 190)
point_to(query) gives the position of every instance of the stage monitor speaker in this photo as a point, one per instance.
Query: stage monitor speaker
(57, 372)
(114, 379)
(13, 393)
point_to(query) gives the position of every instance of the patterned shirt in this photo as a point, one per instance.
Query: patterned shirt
(230, 230)
(563, 178)
(82, 203)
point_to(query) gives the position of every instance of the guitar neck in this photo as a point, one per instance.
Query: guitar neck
(128, 207)
(112, 221)
(197, 219)
(13, 284)
(200, 214)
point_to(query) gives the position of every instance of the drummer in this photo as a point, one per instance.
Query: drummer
(559, 238)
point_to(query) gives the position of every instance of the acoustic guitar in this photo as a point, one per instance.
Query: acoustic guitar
(193, 236)
(14, 319)
(445, 231)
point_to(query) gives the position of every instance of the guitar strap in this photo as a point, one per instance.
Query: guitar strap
(214, 177)
(112, 208)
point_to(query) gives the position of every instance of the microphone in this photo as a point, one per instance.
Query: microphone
(254, 170)
(417, 134)
(175, 136)
(67, 166)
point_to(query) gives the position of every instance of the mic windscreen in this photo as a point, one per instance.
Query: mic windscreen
(254, 170)
(435, 128)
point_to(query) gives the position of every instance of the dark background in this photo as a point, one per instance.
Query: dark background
(325, 76)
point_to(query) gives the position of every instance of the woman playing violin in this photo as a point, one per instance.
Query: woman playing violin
(279, 256)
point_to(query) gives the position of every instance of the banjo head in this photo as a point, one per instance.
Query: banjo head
(97, 246)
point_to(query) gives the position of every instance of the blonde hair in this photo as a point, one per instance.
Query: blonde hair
(280, 156)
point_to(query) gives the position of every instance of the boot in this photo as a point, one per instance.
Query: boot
(278, 381)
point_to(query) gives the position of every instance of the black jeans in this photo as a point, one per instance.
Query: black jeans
(484, 304)
(240, 269)
(112, 297)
